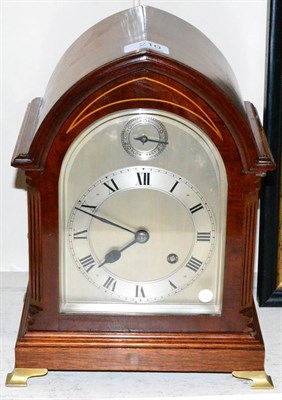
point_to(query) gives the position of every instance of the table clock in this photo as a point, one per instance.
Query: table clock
(143, 169)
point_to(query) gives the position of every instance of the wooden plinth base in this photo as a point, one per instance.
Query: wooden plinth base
(140, 352)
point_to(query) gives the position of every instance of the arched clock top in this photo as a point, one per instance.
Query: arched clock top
(140, 30)
(148, 66)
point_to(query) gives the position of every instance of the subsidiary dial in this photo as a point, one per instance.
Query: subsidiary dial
(144, 137)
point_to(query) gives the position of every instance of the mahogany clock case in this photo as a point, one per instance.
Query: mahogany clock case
(94, 80)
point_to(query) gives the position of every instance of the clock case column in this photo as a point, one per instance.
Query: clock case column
(194, 82)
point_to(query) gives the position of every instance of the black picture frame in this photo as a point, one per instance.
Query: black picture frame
(269, 267)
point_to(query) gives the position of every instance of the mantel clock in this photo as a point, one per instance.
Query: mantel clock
(143, 168)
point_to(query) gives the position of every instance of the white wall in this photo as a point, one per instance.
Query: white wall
(36, 34)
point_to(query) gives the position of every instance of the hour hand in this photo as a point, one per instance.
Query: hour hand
(141, 236)
(114, 255)
(144, 139)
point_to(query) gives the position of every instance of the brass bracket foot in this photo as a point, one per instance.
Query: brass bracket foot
(19, 376)
(259, 378)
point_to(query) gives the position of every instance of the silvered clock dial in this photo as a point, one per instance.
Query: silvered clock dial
(142, 233)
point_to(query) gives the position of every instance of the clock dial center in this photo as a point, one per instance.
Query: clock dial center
(142, 236)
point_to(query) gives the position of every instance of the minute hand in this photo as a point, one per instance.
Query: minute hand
(105, 221)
